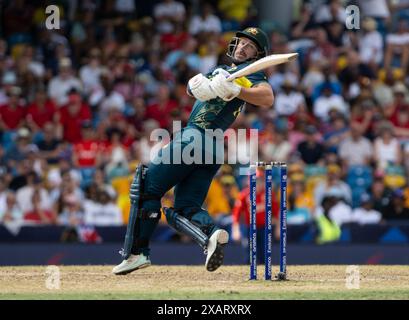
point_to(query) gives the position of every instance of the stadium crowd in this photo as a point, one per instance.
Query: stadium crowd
(78, 105)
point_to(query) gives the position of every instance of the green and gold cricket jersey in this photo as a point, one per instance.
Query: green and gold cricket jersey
(220, 114)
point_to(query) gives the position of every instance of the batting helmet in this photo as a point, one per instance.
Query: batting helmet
(258, 36)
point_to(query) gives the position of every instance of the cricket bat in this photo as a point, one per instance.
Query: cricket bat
(263, 63)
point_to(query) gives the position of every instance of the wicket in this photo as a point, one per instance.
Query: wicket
(268, 240)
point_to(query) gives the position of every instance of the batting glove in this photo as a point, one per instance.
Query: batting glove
(224, 89)
(199, 87)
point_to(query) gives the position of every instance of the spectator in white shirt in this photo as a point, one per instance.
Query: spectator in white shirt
(25, 194)
(333, 11)
(11, 211)
(333, 183)
(102, 212)
(288, 101)
(356, 150)
(60, 85)
(166, 12)
(397, 44)
(327, 101)
(341, 212)
(371, 43)
(90, 73)
(374, 8)
(206, 22)
(365, 214)
(387, 147)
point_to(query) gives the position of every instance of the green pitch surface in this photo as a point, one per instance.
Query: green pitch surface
(193, 282)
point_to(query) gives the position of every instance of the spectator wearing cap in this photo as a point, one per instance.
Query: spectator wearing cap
(310, 150)
(333, 181)
(355, 150)
(370, 43)
(382, 88)
(289, 100)
(387, 150)
(72, 115)
(396, 209)
(398, 111)
(19, 150)
(365, 213)
(326, 101)
(400, 99)
(12, 114)
(336, 132)
(87, 151)
(60, 85)
(353, 73)
(40, 111)
(223, 192)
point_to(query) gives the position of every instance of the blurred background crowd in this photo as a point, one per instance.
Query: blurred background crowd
(78, 105)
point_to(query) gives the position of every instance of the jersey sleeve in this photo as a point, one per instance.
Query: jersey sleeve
(252, 79)
(257, 77)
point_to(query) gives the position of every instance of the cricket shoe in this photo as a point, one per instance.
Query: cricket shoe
(134, 262)
(215, 254)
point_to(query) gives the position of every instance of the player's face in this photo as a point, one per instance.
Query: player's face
(246, 49)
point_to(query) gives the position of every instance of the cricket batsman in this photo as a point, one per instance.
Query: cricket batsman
(218, 103)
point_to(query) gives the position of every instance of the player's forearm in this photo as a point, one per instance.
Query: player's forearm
(261, 96)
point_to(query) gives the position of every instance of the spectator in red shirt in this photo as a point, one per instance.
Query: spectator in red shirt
(241, 214)
(40, 111)
(398, 112)
(87, 152)
(12, 114)
(38, 214)
(72, 115)
(162, 108)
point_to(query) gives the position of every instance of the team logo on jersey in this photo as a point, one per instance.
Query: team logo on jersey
(252, 30)
(232, 69)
